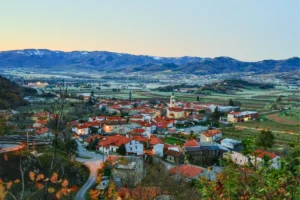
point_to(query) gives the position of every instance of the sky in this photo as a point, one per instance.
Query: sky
(248, 30)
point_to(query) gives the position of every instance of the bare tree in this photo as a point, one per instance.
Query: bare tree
(57, 125)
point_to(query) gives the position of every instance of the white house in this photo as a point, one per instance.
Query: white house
(134, 147)
(149, 127)
(157, 146)
(258, 159)
(158, 150)
(236, 157)
(81, 130)
(211, 135)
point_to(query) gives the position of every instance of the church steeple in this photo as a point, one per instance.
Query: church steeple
(172, 101)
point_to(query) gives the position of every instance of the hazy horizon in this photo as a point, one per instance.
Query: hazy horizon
(246, 31)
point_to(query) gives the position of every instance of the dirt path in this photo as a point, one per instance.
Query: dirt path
(275, 117)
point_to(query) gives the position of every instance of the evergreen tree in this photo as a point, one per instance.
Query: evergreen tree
(130, 98)
(230, 103)
(278, 99)
(91, 145)
(216, 114)
(198, 98)
(122, 150)
(265, 139)
(95, 143)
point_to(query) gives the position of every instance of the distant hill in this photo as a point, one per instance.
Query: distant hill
(11, 94)
(109, 61)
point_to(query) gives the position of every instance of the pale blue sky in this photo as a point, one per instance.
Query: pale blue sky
(244, 29)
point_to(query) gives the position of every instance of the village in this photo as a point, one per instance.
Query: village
(176, 134)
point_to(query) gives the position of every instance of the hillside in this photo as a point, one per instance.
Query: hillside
(11, 94)
(109, 61)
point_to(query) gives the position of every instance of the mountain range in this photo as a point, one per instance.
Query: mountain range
(110, 61)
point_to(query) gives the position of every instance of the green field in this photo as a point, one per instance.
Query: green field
(282, 140)
(173, 141)
(293, 114)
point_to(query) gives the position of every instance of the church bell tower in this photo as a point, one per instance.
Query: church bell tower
(172, 101)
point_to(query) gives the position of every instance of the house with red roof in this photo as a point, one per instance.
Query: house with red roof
(85, 128)
(163, 124)
(175, 113)
(242, 116)
(112, 125)
(136, 118)
(139, 132)
(81, 129)
(110, 144)
(186, 172)
(147, 125)
(157, 146)
(44, 132)
(259, 157)
(191, 143)
(211, 135)
(135, 147)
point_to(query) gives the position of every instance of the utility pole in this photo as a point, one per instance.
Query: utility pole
(27, 145)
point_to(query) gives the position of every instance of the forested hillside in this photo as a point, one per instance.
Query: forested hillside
(11, 94)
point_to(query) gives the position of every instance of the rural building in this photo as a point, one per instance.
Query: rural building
(242, 116)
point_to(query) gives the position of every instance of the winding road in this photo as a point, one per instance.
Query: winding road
(94, 163)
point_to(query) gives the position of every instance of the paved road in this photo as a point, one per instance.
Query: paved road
(94, 163)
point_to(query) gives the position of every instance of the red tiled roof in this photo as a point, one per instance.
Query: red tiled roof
(136, 117)
(140, 139)
(93, 138)
(155, 141)
(138, 130)
(124, 141)
(234, 113)
(191, 143)
(115, 140)
(114, 118)
(185, 170)
(173, 153)
(42, 130)
(82, 126)
(144, 124)
(261, 154)
(176, 109)
(211, 133)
